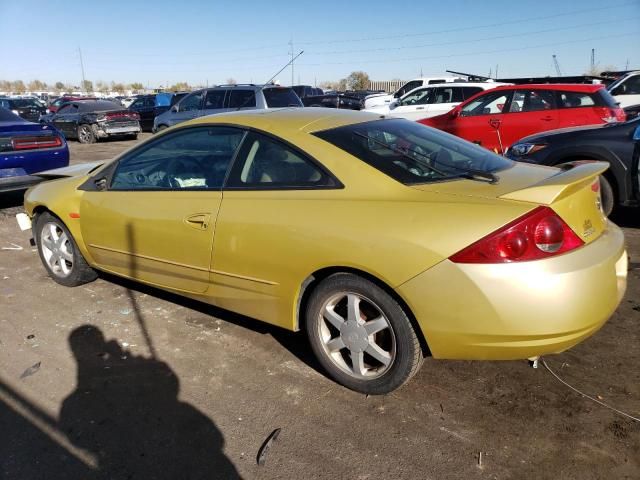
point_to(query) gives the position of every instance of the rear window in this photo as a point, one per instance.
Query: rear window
(281, 97)
(601, 98)
(412, 153)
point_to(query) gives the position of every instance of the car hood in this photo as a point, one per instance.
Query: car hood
(71, 171)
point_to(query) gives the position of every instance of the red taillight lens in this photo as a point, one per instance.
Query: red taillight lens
(610, 115)
(35, 143)
(538, 234)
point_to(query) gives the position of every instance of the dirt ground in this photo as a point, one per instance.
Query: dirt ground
(115, 380)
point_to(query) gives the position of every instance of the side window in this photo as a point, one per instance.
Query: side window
(407, 87)
(242, 98)
(490, 104)
(420, 97)
(191, 102)
(469, 92)
(214, 100)
(532, 101)
(575, 100)
(150, 102)
(196, 158)
(4, 103)
(631, 86)
(444, 95)
(268, 163)
(137, 104)
(67, 109)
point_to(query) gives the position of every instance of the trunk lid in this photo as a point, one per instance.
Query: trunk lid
(572, 192)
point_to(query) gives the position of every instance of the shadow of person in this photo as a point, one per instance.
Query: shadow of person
(126, 413)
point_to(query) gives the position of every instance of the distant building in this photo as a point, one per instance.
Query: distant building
(386, 85)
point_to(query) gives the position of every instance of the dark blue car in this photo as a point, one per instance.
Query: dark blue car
(27, 148)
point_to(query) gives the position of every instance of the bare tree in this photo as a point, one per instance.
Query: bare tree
(137, 87)
(231, 81)
(37, 86)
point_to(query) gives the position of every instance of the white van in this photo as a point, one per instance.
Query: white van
(626, 90)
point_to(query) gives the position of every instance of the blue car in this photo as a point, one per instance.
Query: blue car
(27, 148)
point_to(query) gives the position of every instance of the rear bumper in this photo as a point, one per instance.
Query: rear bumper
(107, 130)
(519, 310)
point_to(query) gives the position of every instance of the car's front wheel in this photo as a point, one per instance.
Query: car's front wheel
(85, 134)
(361, 335)
(59, 252)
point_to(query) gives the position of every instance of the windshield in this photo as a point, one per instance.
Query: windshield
(24, 103)
(412, 153)
(281, 97)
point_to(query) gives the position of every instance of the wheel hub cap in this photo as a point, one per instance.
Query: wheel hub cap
(354, 336)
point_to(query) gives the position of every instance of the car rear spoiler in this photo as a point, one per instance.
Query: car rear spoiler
(571, 177)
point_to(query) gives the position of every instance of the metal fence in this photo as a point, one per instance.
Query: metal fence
(387, 86)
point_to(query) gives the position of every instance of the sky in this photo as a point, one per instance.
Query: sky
(207, 42)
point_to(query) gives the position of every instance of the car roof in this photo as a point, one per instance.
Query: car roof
(568, 87)
(307, 120)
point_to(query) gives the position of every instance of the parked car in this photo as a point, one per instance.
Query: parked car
(500, 117)
(224, 98)
(27, 148)
(57, 103)
(617, 144)
(376, 99)
(26, 108)
(150, 106)
(466, 254)
(306, 91)
(90, 120)
(127, 101)
(626, 90)
(632, 111)
(425, 102)
(333, 100)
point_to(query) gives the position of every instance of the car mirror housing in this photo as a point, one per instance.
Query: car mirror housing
(455, 113)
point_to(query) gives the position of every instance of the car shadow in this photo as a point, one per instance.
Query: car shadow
(11, 199)
(626, 217)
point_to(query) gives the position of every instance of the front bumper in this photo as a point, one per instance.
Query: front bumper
(519, 310)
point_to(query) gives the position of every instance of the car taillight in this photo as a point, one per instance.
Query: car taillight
(611, 115)
(35, 143)
(538, 234)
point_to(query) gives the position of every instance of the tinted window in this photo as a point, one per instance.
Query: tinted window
(407, 87)
(191, 102)
(489, 104)
(98, 106)
(532, 101)
(281, 97)
(446, 95)
(8, 116)
(268, 163)
(630, 87)
(410, 152)
(196, 158)
(575, 100)
(242, 98)
(214, 100)
(24, 103)
(469, 92)
(69, 108)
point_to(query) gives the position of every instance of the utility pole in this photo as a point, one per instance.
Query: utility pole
(291, 43)
(82, 69)
(593, 59)
(497, 71)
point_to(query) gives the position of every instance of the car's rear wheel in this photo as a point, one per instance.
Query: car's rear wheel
(85, 134)
(161, 128)
(606, 195)
(361, 335)
(59, 252)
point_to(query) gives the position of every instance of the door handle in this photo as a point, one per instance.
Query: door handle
(198, 220)
(419, 108)
(547, 118)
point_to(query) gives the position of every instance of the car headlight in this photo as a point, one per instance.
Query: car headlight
(523, 149)
(16, 112)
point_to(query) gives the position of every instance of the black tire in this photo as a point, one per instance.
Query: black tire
(77, 271)
(133, 136)
(161, 128)
(607, 196)
(404, 346)
(85, 134)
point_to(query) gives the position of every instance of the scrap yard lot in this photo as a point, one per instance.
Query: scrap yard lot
(173, 388)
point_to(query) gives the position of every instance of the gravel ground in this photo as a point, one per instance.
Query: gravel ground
(82, 394)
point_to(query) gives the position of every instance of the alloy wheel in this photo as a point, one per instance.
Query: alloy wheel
(57, 249)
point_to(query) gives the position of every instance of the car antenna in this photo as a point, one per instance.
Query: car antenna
(271, 79)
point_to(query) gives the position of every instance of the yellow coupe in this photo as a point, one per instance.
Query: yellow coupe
(383, 239)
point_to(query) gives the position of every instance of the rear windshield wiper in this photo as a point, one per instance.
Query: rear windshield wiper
(470, 173)
(403, 153)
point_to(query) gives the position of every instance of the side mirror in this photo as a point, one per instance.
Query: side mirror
(174, 109)
(455, 113)
(394, 104)
(100, 183)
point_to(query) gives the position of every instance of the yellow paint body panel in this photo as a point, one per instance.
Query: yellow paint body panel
(259, 247)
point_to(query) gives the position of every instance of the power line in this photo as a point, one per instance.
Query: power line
(474, 27)
(468, 54)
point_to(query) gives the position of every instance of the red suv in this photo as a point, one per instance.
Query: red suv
(499, 117)
(55, 105)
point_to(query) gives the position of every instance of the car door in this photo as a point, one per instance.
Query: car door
(65, 120)
(188, 108)
(145, 107)
(156, 218)
(414, 105)
(265, 209)
(530, 111)
(479, 121)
